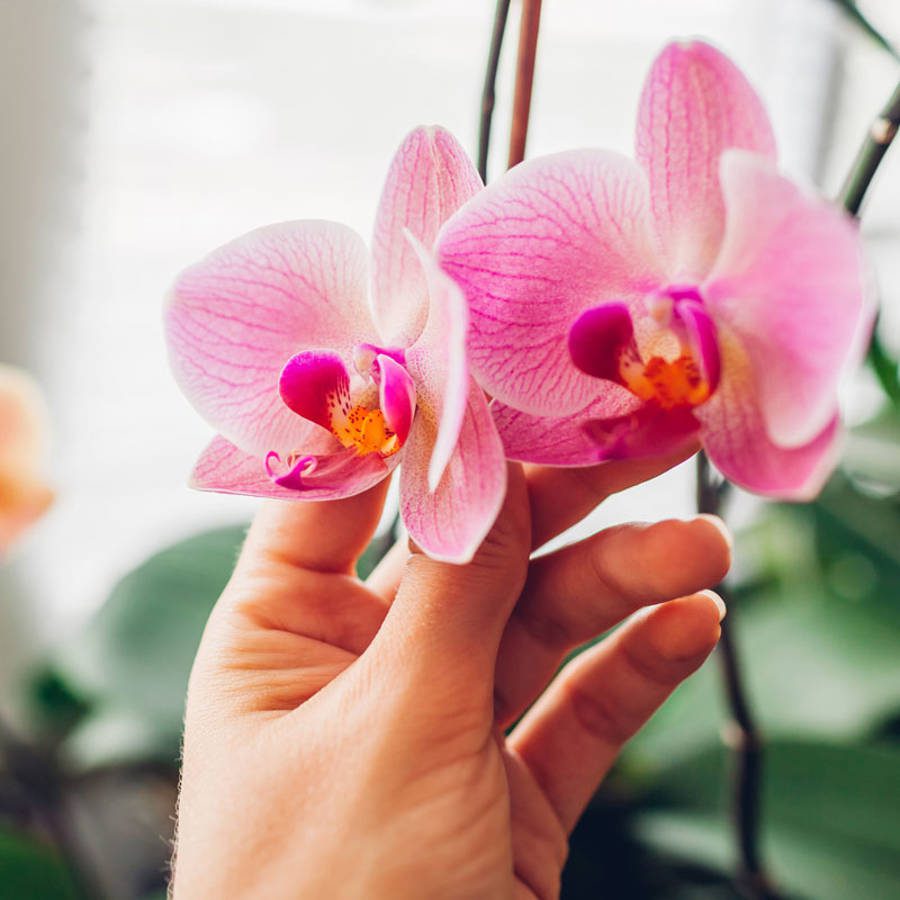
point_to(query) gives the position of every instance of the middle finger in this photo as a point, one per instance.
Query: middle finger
(584, 589)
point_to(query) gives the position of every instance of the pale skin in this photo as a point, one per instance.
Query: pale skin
(347, 739)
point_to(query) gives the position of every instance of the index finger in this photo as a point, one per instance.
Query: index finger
(561, 497)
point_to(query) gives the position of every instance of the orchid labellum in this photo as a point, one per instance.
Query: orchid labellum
(625, 308)
(318, 394)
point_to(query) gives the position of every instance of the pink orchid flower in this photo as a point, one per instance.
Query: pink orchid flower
(318, 396)
(24, 496)
(622, 309)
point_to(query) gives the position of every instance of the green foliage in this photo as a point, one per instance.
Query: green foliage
(29, 869)
(830, 815)
(130, 665)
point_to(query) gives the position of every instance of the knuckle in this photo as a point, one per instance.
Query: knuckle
(599, 715)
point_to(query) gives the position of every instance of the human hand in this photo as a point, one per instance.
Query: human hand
(346, 739)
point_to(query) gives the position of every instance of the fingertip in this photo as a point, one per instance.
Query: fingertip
(696, 552)
(687, 629)
(719, 602)
(321, 535)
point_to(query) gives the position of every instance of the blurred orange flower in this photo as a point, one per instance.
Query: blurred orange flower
(24, 496)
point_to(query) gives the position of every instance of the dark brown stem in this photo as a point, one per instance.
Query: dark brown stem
(741, 734)
(489, 90)
(528, 37)
(881, 134)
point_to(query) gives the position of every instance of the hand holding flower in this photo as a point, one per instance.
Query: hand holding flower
(340, 727)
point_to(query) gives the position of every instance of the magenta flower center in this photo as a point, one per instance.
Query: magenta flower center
(374, 417)
(675, 362)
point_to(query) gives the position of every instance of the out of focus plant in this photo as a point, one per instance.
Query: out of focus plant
(24, 495)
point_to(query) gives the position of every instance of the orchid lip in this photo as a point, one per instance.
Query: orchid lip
(673, 365)
(297, 466)
(371, 418)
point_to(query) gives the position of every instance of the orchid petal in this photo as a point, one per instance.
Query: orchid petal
(397, 395)
(236, 317)
(560, 440)
(450, 522)
(695, 104)
(789, 282)
(438, 365)
(551, 238)
(312, 383)
(226, 469)
(429, 179)
(736, 438)
(648, 431)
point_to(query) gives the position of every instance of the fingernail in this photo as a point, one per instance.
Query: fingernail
(720, 603)
(723, 528)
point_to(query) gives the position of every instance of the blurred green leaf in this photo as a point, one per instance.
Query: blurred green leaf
(29, 869)
(885, 367)
(126, 673)
(831, 818)
(133, 659)
(872, 452)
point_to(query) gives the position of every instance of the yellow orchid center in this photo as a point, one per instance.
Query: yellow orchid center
(364, 430)
(670, 383)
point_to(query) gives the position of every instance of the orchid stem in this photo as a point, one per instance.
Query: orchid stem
(879, 138)
(528, 37)
(741, 734)
(876, 144)
(489, 90)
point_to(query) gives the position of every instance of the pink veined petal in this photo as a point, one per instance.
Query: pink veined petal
(226, 469)
(789, 282)
(551, 238)
(312, 383)
(438, 365)
(450, 522)
(397, 395)
(735, 436)
(429, 179)
(648, 431)
(235, 318)
(695, 104)
(560, 440)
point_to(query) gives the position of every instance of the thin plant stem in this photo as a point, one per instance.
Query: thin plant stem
(879, 138)
(489, 90)
(876, 144)
(528, 37)
(741, 734)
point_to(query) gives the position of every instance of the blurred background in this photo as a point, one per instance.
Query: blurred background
(139, 134)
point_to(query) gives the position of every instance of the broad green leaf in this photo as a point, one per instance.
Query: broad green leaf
(29, 869)
(872, 452)
(831, 818)
(133, 659)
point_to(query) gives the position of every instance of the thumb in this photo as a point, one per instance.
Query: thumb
(443, 630)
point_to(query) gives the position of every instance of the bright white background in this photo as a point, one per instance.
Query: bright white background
(139, 134)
